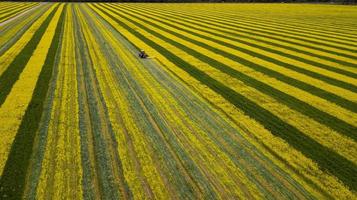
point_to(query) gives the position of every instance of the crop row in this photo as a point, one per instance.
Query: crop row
(231, 104)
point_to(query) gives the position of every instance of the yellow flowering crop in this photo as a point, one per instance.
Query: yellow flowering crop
(233, 101)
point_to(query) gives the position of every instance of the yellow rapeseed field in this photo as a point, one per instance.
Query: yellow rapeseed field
(234, 101)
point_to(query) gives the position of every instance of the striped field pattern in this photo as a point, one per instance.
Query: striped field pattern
(10, 9)
(236, 101)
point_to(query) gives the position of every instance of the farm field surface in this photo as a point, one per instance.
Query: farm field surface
(10, 10)
(236, 101)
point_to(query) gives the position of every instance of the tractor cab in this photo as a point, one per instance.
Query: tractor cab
(142, 54)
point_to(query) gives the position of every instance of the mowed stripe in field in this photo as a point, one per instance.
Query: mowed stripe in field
(225, 108)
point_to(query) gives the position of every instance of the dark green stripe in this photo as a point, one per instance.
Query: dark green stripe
(213, 30)
(292, 102)
(13, 71)
(327, 159)
(13, 179)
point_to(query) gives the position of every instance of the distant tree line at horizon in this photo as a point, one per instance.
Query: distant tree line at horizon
(204, 1)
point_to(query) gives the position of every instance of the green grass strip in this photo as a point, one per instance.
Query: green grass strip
(13, 179)
(13, 71)
(327, 159)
